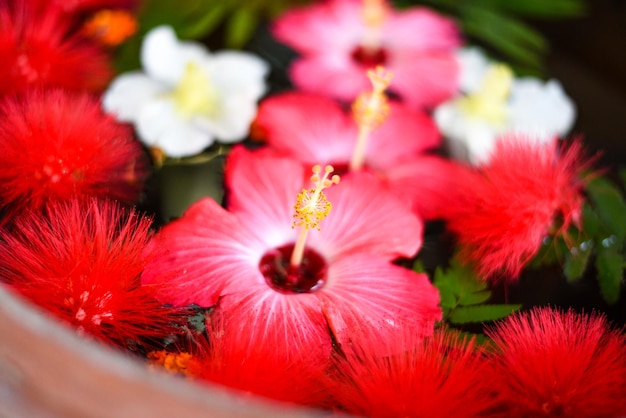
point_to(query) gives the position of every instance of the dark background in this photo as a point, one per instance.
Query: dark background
(588, 56)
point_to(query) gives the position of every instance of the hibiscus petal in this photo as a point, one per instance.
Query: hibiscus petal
(263, 189)
(405, 133)
(367, 297)
(202, 253)
(331, 75)
(366, 218)
(308, 126)
(419, 28)
(335, 25)
(438, 77)
(291, 323)
(128, 93)
(428, 182)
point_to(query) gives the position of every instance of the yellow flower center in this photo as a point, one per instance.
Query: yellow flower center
(489, 102)
(369, 111)
(311, 208)
(194, 95)
(110, 27)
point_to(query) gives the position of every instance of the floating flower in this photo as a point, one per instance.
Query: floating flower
(386, 138)
(441, 376)
(37, 49)
(494, 103)
(560, 364)
(231, 357)
(279, 282)
(81, 262)
(506, 207)
(187, 97)
(56, 145)
(339, 39)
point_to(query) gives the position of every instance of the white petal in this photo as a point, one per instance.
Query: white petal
(128, 93)
(474, 65)
(234, 119)
(541, 109)
(232, 70)
(160, 126)
(468, 139)
(164, 58)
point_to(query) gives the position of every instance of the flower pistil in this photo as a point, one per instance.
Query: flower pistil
(311, 208)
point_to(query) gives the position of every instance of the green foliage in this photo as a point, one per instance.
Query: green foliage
(499, 25)
(463, 296)
(600, 241)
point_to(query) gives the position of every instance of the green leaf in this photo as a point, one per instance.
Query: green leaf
(576, 260)
(481, 313)
(474, 298)
(240, 27)
(539, 8)
(205, 24)
(609, 205)
(505, 33)
(610, 266)
(591, 223)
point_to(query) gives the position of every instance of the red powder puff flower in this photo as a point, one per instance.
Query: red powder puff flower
(37, 50)
(56, 145)
(339, 39)
(560, 364)
(315, 129)
(232, 357)
(81, 262)
(507, 207)
(441, 376)
(255, 263)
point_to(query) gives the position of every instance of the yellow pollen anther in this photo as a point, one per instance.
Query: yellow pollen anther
(311, 208)
(489, 102)
(372, 108)
(110, 27)
(369, 111)
(311, 205)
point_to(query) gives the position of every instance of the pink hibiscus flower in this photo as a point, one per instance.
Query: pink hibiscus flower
(316, 129)
(339, 39)
(240, 258)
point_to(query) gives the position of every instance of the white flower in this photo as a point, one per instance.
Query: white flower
(494, 103)
(186, 98)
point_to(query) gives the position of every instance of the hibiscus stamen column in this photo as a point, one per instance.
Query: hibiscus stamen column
(311, 208)
(370, 110)
(374, 13)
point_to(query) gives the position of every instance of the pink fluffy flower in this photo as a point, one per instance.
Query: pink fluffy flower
(506, 207)
(560, 364)
(55, 145)
(316, 129)
(37, 49)
(339, 39)
(81, 262)
(441, 376)
(240, 258)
